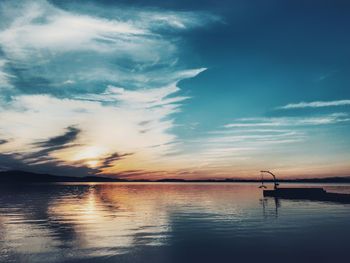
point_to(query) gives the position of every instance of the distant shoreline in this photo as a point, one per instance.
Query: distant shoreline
(29, 177)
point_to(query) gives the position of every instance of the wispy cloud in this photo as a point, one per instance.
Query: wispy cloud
(290, 121)
(41, 27)
(5, 78)
(111, 160)
(47, 46)
(315, 104)
(247, 142)
(112, 80)
(69, 136)
(43, 150)
(119, 119)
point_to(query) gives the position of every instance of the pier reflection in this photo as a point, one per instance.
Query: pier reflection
(270, 206)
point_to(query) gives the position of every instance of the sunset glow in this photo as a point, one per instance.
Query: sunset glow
(151, 92)
(174, 131)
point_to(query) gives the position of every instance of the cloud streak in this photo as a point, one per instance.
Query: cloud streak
(5, 78)
(315, 104)
(247, 144)
(69, 136)
(290, 121)
(44, 149)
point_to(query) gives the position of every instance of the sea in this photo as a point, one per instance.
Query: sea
(169, 222)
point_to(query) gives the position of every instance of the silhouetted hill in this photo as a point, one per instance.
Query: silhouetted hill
(29, 177)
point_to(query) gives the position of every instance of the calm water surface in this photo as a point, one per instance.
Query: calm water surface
(118, 222)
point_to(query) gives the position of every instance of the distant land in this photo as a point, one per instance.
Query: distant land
(29, 177)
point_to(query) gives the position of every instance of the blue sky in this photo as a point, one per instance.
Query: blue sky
(182, 89)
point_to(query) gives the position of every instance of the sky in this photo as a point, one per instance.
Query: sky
(175, 89)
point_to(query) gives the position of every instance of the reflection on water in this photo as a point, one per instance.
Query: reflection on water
(167, 223)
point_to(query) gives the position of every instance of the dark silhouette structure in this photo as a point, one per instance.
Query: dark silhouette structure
(309, 193)
(276, 184)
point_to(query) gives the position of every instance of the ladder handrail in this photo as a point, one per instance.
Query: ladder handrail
(274, 178)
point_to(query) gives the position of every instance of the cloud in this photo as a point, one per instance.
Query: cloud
(130, 121)
(5, 78)
(243, 144)
(327, 75)
(110, 160)
(41, 29)
(41, 26)
(47, 147)
(315, 104)
(15, 162)
(69, 136)
(87, 90)
(54, 51)
(2, 141)
(290, 121)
